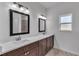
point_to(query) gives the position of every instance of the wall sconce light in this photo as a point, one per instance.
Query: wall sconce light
(42, 16)
(27, 11)
(14, 5)
(19, 7)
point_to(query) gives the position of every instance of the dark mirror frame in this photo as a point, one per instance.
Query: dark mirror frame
(39, 25)
(11, 22)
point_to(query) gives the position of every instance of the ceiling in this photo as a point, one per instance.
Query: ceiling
(49, 4)
(57, 4)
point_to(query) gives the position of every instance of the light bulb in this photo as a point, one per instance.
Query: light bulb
(14, 6)
(27, 11)
(21, 8)
(42, 17)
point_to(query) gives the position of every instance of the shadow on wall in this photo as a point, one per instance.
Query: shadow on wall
(56, 45)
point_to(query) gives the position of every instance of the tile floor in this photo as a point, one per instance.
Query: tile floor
(58, 52)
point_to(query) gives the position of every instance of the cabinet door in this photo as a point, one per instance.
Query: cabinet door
(52, 41)
(44, 46)
(40, 48)
(48, 44)
(31, 49)
(33, 52)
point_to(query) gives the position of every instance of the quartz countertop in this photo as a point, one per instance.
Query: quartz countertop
(9, 46)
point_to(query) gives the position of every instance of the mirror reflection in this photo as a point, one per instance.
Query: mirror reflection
(42, 25)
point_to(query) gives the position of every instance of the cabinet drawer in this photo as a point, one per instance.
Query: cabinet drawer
(32, 52)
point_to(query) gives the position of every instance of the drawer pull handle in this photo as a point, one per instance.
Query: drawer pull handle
(26, 53)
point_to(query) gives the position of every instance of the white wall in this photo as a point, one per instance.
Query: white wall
(35, 9)
(68, 41)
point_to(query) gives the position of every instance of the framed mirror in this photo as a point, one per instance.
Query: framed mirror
(41, 25)
(19, 23)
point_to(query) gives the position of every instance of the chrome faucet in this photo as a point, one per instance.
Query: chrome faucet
(44, 33)
(19, 38)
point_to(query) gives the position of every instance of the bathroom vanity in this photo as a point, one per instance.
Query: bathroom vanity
(37, 45)
(34, 48)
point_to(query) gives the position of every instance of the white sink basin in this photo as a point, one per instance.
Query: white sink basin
(20, 41)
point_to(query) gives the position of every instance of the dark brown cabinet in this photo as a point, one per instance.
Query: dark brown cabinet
(42, 47)
(34, 52)
(45, 45)
(50, 43)
(32, 49)
(16, 52)
(39, 48)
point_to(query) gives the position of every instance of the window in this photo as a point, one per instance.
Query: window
(66, 22)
